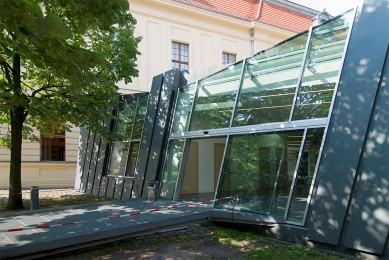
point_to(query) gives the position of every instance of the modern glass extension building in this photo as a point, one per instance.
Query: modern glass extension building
(298, 134)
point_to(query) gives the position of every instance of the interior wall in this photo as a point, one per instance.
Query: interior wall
(206, 163)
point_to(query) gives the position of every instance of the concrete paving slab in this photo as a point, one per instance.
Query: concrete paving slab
(95, 224)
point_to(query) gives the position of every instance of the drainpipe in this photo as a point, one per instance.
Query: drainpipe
(259, 5)
(252, 41)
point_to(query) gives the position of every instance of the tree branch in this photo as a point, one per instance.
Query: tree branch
(7, 69)
(44, 88)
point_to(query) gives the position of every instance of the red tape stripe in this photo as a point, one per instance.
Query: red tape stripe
(111, 217)
(221, 198)
(172, 207)
(135, 213)
(15, 229)
(68, 223)
(153, 210)
(206, 201)
(43, 226)
(189, 204)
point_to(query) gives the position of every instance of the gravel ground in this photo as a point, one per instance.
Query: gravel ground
(43, 193)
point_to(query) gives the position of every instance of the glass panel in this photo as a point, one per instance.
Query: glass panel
(321, 68)
(172, 168)
(140, 117)
(269, 84)
(258, 168)
(215, 99)
(305, 175)
(183, 108)
(130, 171)
(118, 158)
(119, 150)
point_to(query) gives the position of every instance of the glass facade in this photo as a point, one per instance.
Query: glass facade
(172, 168)
(215, 99)
(128, 126)
(268, 106)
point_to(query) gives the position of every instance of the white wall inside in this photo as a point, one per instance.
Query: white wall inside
(206, 163)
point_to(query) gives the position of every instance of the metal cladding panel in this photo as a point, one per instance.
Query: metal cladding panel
(103, 186)
(93, 163)
(127, 189)
(348, 123)
(111, 183)
(147, 133)
(369, 217)
(82, 146)
(88, 157)
(99, 168)
(118, 189)
(168, 89)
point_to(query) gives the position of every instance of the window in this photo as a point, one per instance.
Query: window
(180, 56)
(53, 144)
(228, 58)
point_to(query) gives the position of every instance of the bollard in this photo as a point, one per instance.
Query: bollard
(34, 198)
(152, 190)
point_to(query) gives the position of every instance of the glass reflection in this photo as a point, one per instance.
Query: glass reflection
(305, 175)
(183, 108)
(320, 74)
(269, 84)
(119, 149)
(140, 117)
(258, 170)
(133, 155)
(215, 99)
(172, 168)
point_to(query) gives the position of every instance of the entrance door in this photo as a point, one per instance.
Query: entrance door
(218, 158)
(191, 177)
(202, 168)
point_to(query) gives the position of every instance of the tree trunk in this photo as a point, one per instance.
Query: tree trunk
(18, 116)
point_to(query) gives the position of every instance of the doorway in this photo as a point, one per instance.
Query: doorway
(202, 168)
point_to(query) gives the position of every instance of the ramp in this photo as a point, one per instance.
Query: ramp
(34, 233)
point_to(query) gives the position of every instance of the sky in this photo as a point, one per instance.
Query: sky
(333, 7)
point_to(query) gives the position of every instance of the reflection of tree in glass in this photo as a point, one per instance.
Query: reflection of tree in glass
(259, 167)
(183, 107)
(140, 117)
(269, 84)
(215, 99)
(321, 69)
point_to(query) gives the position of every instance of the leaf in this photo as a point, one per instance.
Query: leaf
(27, 32)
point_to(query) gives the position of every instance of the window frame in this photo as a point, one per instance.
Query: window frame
(228, 55)
(179, 61)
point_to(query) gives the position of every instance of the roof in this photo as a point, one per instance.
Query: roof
(279, 13)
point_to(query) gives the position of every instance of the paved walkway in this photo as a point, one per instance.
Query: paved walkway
(37, 231)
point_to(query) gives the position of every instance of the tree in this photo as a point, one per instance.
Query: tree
(59, 62)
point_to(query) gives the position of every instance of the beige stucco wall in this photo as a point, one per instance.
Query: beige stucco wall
(208, 34)
(159, 23)
(42, 173)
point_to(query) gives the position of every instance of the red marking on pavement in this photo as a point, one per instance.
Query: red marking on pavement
(189, 204)
(68, 223)
(110, 217)
(153, 210)
(43, 226)
(135, 213)
(206, 201)
(15, 229)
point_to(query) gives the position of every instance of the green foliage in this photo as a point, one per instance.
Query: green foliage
(72, 54)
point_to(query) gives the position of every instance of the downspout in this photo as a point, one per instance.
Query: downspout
(252, 41)
(252, 33)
